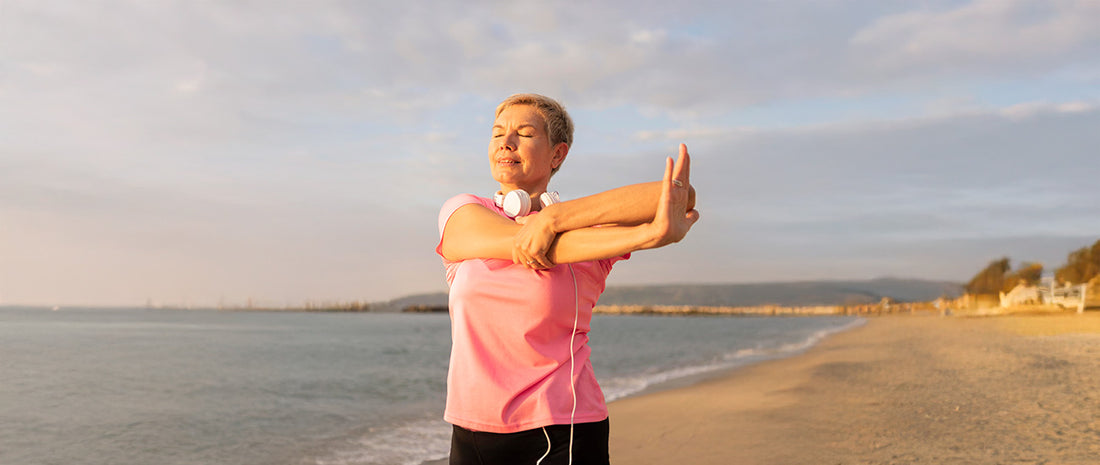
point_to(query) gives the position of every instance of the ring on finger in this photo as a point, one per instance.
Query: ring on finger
(678, 183)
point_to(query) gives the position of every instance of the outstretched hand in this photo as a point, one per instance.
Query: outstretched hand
(673, 219)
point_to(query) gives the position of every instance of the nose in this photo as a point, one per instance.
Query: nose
(506, 143)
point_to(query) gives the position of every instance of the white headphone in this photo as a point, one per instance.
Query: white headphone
(518, 202)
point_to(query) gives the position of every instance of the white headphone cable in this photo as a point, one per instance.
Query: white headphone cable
(548, 446)
(572, 364)
(572, 384)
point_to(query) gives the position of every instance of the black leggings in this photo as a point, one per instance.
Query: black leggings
(526, 447)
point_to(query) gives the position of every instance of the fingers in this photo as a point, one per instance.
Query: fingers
(666, 187)
(692, 216)
(536, 261)
(533, 261)
(682, 169)
(674, 216)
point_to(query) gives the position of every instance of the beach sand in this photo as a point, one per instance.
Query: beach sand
(899, 390)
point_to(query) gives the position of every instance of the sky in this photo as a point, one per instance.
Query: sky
(279, 152)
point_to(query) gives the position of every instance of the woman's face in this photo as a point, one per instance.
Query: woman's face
(520, 154)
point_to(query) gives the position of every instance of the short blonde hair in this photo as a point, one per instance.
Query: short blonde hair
(559, 126)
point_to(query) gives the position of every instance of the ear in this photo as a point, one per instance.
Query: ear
(560, 152)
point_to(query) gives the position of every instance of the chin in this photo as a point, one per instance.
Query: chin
(505, 178)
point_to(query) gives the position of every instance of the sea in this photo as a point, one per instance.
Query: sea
(141, 386)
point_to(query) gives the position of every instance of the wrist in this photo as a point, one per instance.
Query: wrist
(649, 236)
(550, 215)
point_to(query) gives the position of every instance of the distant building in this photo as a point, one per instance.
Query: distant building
(1069, 296)
(1022, 294)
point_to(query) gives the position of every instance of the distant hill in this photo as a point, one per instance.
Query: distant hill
(743, 295)
(787, 294)
(399, 304)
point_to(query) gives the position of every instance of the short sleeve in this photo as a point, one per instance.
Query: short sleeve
(449, 207)
(607, 263)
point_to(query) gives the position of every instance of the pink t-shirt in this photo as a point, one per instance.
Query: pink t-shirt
(510, 329)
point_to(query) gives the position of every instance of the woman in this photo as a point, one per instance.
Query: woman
(521, 387)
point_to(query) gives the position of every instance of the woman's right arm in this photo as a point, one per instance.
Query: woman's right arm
(473, 231)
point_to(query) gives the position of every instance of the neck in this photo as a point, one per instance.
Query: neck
(532, 190)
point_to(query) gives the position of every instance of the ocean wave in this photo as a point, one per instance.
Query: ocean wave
(419, 441)
(625, 386)
(411, 443)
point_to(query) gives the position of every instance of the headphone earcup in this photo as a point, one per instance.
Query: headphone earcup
(549, 198)
(516, 203)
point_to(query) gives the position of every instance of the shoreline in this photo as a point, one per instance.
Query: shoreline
(899, 389)
(689, 380)
(755, 357)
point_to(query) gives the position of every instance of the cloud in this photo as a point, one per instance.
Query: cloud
(979, 170)
(983, 35)
(301, 150)
(1032, 109)
(398, 61)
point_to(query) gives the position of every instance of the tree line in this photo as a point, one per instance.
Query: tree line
(1082, 265)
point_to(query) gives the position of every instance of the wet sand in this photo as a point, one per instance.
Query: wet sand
(899, 390)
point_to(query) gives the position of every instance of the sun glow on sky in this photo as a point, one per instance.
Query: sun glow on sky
(206, 152)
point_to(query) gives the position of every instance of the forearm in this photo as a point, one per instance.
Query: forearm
(578, 245)
(597, 243)
(628, 205)
(474, 232)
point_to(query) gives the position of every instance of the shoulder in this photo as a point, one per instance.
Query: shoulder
(462, 199)
(454, 203)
